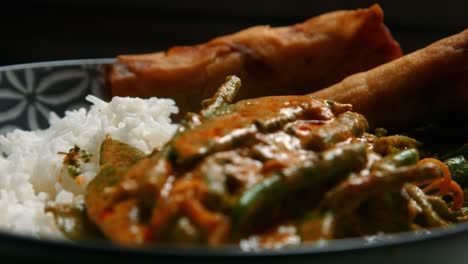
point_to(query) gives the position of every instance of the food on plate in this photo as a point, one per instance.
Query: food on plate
(44, 173)
(245, 172)
(417, 86)
(270, 61)
(263, 172)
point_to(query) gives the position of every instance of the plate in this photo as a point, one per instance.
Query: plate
(29, 91)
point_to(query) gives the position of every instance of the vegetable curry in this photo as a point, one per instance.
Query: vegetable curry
(275, 170)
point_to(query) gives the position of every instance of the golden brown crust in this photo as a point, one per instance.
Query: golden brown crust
(270, 61)
(428, 81)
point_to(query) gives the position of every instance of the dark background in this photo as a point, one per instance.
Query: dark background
(42, 30)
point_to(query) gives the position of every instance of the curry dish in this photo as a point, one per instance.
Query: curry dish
(289, 167)
(261, 165)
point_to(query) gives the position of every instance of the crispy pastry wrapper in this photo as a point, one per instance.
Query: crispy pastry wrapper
(297, 59)
(415, 87)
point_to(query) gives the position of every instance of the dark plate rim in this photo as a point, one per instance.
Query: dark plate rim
(341, 245)
(334, 246)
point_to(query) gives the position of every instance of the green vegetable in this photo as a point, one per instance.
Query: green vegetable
(115, 159)
(331, 167)
(86, 155)
(117, 153)
(441, 208)
(223, 96)
(405, 157)
(346, 125)
(73, 170)
(73, 158)
(402, 158)
(458, 167)
(380, 132)
(256, 199)
(432, 217)
(351, 193)
(396, 143)
(272, 123)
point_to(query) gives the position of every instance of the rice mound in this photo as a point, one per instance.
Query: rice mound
(31, 167)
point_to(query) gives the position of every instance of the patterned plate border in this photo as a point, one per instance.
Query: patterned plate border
(29, 92)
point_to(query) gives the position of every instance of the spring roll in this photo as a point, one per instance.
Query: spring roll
(270, 61)
(415, 87)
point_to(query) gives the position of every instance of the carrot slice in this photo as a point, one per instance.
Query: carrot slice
(445, 185)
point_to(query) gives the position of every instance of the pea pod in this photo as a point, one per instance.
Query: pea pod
(317, 175)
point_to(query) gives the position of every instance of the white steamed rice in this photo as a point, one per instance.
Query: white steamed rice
(31, 173)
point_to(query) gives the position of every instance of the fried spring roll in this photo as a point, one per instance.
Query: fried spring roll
(415, 87)
(270, 61)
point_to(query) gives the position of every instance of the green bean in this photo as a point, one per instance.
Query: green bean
(346, 125)
(338, 108)
(223, 96)
(350, 194)
(403, 158)
(433, 219)
(458, 167)
(283, 110)
(269, 124)
(215, 106)
(440, 207)
(237, 124)
(331, 167)
(256, 199)
(396, 143)
(226, 174)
